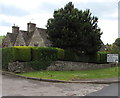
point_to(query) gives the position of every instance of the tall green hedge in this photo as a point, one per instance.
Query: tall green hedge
(7, 56)
(70, 56)
(37, 57)
(81, 57)
(44, 53)
(22, 53)
(102, 57)
(42, 57)
(60, 53)
(17, 53)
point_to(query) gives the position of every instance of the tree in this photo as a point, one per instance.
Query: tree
(74, 29)
(1, 40)
(117, 42)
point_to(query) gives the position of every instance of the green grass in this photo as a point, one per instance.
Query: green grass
(75, 75)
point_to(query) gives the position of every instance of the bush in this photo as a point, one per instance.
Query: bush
(7, 56)
(22, 53)
(42, 57)
(73, 56)
(60, 53)
(37, 57)
(70, 56)
(102, 57)
(38, 65)
(44, 53)
(17, 53)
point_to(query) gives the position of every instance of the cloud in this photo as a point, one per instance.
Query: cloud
(110, 30)
(10, 10)
(21, 12)
(47, 7)
(4, 23)
(100, 9)
(3, 30)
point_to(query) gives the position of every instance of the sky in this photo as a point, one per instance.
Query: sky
(21, 12)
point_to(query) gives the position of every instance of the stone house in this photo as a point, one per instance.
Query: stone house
(34, 36)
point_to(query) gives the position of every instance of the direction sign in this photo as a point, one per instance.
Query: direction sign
(112, 58)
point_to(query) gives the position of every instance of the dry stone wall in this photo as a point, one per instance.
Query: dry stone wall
(67, 65)
(19, 67)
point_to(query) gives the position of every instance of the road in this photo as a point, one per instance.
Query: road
(111, 90)
(16, 86)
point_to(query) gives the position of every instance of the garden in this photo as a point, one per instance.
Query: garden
(77, 37)
(39, 58)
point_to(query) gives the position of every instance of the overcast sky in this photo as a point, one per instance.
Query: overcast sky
(20, 12)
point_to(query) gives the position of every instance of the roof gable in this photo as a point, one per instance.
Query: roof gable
(36, 39)
(44, 36)
(20, 40)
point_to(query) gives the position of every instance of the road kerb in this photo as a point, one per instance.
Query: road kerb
(62, 81)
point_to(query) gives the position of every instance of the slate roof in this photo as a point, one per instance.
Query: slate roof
(44, 35)
(27, 36)
(12, 37)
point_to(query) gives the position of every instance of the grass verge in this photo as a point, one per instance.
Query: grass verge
(75, 75)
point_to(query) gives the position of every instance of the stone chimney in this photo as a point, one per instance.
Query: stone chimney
(31, 27)
(15, 29)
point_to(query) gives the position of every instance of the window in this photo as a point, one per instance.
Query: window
(36, 45)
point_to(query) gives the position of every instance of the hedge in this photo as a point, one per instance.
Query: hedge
(70, 56)
(81, 57)
(17, 53)
(60, 54)
(37, 57)
(102, 57)
(42, 57)
(41, 53)
(7, 56)
(22, 53)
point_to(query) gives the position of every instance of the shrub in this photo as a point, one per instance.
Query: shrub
(60, 53)
(22, 53)
(102, 57)
(38, 65)
(42, 57)
(70, 55)
(7, 56)
(37, 57)
(17, 53)
(44, 53)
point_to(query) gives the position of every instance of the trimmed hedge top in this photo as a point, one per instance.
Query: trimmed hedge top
(45, 55)
(22, 53)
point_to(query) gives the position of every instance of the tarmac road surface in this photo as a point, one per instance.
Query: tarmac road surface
(111, 90)
(16, 86)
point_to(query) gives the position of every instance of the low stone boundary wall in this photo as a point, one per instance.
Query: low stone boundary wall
(19, 67)
(67, 65)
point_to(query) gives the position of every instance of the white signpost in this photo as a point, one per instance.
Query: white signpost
(113, 58)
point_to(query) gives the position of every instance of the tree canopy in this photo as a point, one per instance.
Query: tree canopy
(117, 42)
(71, 28)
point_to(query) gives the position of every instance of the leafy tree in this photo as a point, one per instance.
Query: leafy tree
(115, 49)
(1, 39)
(74, 29)
(117, 42)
